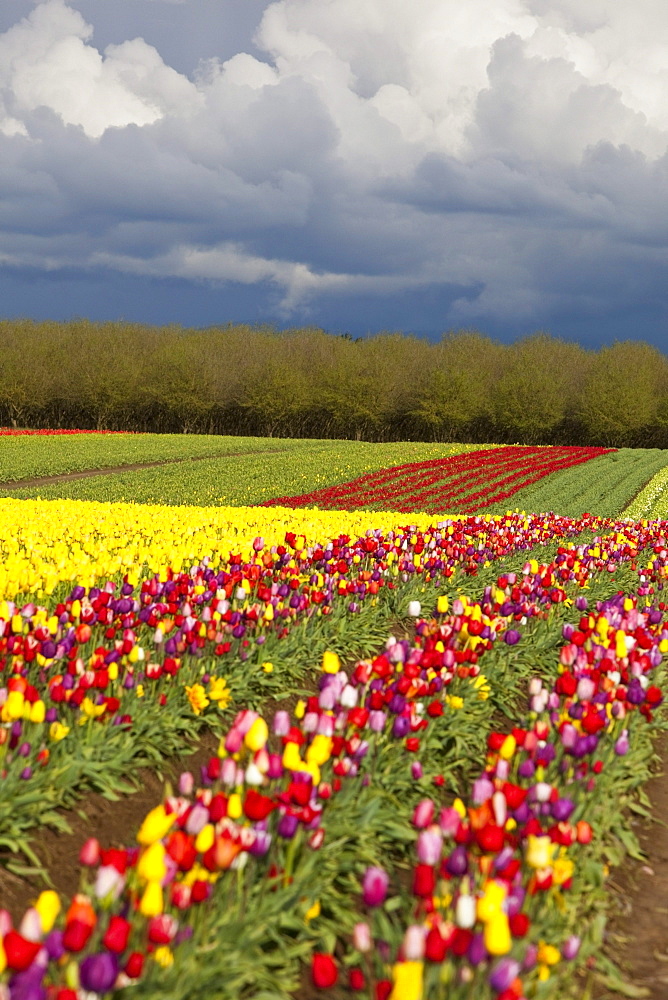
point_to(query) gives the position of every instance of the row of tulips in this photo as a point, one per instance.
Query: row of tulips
(48, 546)
(269, 803)
(95, 667)
(489, 913)
(446, 484)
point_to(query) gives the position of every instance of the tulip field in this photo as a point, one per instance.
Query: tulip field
(429, 709)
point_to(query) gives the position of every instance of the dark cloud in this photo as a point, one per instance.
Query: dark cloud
(359, 166)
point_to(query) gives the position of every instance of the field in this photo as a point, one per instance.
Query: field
(420, 686)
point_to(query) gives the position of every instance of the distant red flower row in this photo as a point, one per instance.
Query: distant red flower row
(447, 483)
(12, 432)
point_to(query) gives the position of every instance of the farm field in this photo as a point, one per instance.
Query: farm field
(419, 733)
(269, 465)
(260, 469)
(29, 456)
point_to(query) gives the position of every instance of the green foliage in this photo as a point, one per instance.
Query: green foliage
(622, 392)
(306, 383)
(25, 457)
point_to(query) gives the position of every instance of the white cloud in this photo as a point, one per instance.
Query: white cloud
(506, 147)
(47, 61)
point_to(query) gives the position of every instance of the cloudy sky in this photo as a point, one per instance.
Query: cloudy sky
(352, 164)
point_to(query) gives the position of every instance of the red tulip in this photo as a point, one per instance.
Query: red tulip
(323, 971)
(134, 965)
(117, 934)
(20, 952)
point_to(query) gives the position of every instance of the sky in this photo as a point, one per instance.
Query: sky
(356, 165)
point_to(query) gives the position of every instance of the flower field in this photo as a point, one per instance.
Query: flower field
(426, 727)
(464, 483)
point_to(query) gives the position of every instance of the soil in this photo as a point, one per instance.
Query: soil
(66, 477)
(114, 823)
(637, 934)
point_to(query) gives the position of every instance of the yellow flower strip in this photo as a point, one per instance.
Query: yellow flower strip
(46, 542)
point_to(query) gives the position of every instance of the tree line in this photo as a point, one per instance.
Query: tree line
(239, 379)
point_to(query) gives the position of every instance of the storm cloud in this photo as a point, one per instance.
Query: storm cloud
(437, 163)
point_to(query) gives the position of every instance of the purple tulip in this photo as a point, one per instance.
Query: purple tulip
(54, 945)
(458, 861)
(503, 973)
(287, 826)
(261, 844)
(477, 953)
(512, 637)
(377, 721)
(635, 694)
(98, 972)
(562, 809)
(622, 744)
(374, 886)
(401, 727)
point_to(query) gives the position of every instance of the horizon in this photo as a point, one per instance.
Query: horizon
(360, 169)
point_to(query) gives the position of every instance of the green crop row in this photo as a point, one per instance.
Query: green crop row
(603, 486)
(30, 456)
(652, 501)
(246, 479)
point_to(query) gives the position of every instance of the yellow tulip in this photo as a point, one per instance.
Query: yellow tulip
(156, 824)
(548, 954)
(320, 750)
(152, 903)
(540, 851)
(498, 940)
(13, 707)
(57, 731)
(407, 979)
(205, 838)
(257, 736)
(491, 901)
(330, 662)
(48, 907)
(151, 865)
(38, 711)
(234, 806)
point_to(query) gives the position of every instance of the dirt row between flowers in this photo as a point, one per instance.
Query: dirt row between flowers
(636, 936)
(109, 470)
(113, 822)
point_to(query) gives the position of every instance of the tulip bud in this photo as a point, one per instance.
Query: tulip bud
(31, 925)
(374, 886)
(362, 937)
(465, 911)
(413, 943)
(423, 813)
(186, 783)
(89, 854)
(108, 882)
(429, 846)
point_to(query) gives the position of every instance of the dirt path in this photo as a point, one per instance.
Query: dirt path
(637, 935)
(65, 477)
